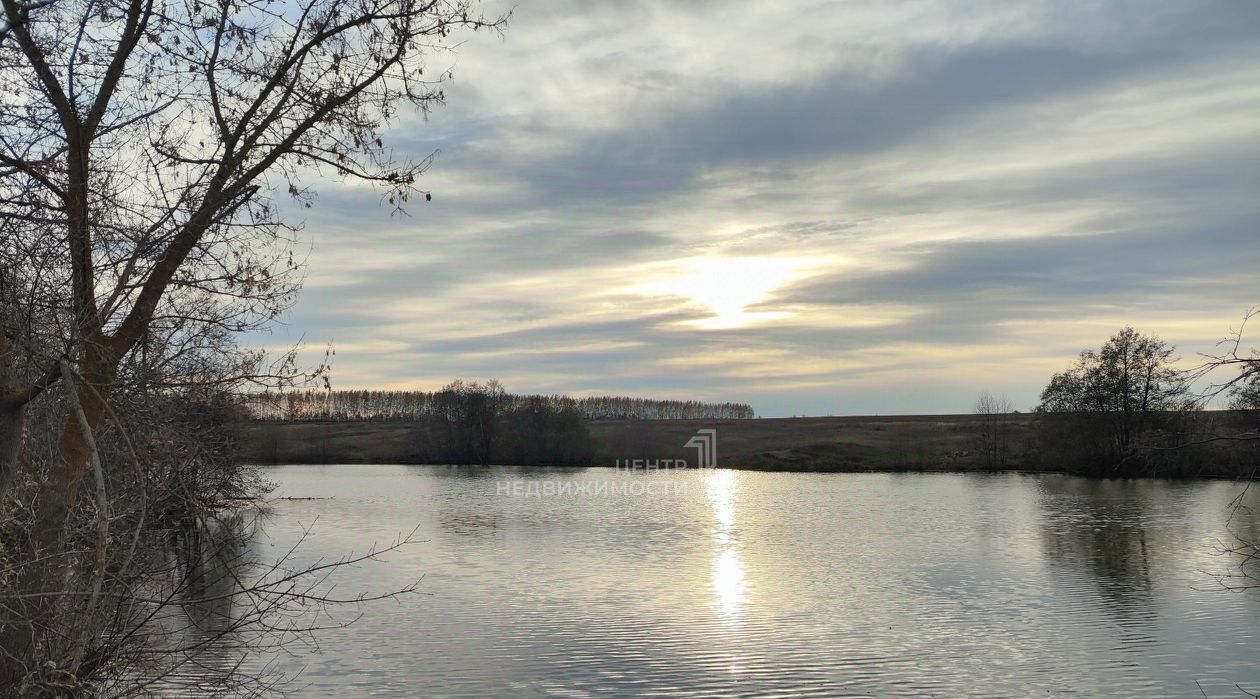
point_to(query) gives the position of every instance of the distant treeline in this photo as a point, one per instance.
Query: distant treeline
(348, 405)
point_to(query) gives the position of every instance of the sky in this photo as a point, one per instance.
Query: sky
(818, 208)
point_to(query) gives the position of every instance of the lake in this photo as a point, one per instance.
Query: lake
(594, 582)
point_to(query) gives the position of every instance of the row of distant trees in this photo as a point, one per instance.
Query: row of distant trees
(353, 405)
(1126, 409)
(480, 423)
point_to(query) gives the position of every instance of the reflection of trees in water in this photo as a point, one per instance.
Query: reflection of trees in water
(1099, 528)
(214, 611)
(201, 621)
(1110, 542)
(210, 558)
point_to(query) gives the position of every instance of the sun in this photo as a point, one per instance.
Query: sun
(727, 286)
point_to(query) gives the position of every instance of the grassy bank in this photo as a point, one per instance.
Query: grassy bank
(839, 444)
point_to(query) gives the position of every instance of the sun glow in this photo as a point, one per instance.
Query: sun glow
(728, 286)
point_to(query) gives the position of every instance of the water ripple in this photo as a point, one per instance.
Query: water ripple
(788, 585)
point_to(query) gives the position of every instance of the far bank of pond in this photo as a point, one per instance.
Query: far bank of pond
(945, 443)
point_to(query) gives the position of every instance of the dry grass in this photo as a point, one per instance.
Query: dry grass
(929, 442)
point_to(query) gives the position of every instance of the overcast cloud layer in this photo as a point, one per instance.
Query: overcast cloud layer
(815, 207)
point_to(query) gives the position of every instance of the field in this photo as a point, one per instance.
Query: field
(918, 442)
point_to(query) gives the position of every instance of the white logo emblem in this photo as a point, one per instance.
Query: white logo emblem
(705, 444)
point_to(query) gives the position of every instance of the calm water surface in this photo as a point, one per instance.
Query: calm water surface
(727, 583)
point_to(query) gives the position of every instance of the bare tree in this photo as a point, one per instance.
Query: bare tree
(993, 428)
(1239, 388)
(1241, 385)
(141, 145)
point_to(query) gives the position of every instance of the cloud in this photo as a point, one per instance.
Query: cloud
(979, 192)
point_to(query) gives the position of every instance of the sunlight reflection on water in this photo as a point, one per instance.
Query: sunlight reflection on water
(728, 572)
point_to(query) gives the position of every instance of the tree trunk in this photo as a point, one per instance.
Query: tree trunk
(16, 631)
(62, 491)
(12, 407)
(12, 421)
(45, 572)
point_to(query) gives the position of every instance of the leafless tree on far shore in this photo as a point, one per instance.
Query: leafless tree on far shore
(993, 422)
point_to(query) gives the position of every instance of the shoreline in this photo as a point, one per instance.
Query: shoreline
(853, 444)
(971, 472)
